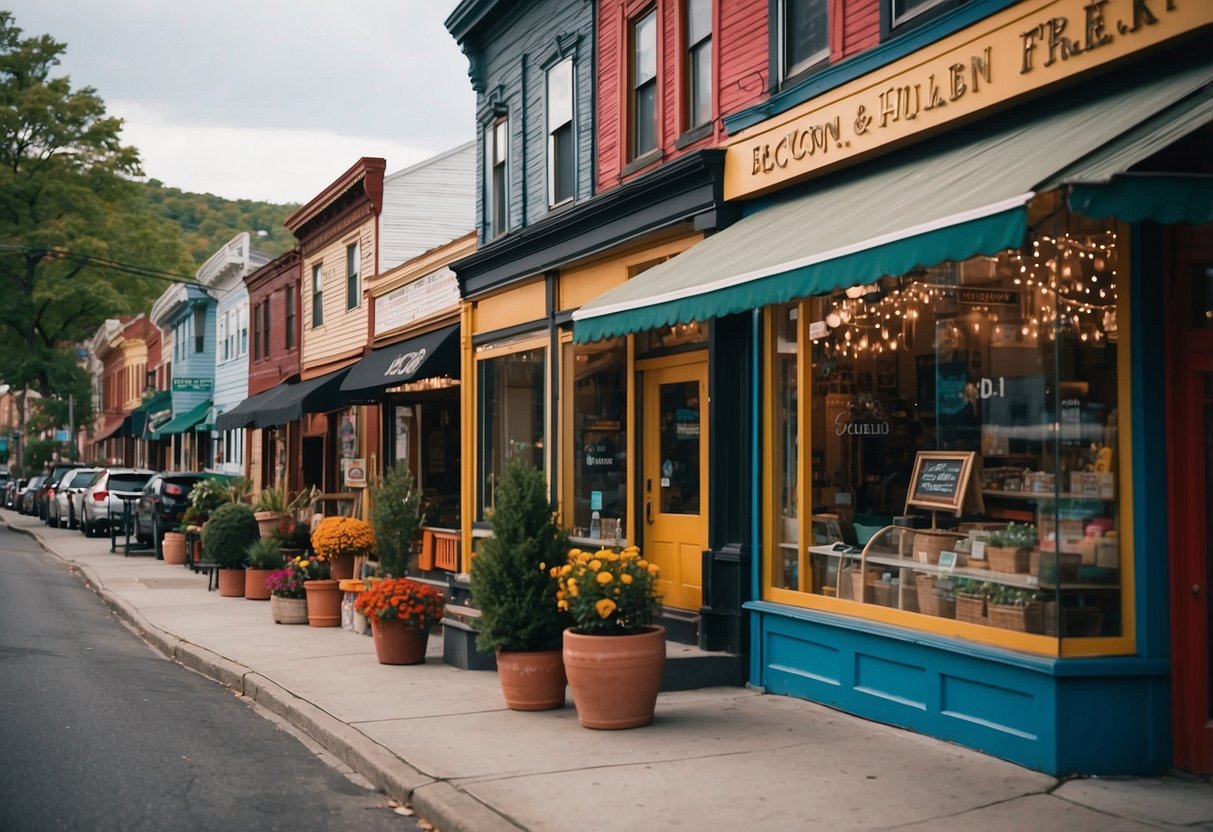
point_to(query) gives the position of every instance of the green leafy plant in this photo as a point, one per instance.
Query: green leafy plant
(396, 518)
(609, 593)
(208, 494)
(272, 498)
(298, 536)
(1015, 536)
(972, 586)
(189, 518)
(511, 576)
(264, 553)
(227, 536)
(1013, 596)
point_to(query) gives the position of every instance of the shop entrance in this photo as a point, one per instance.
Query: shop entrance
(1192, 499)
(674, 474)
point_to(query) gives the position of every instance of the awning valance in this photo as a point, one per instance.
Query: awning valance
(161, 400)
(951, 198)
(245, 413)
(185, 421)
(112, 430)
(317, 395)
(426, 356)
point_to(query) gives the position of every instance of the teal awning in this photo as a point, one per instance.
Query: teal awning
(1163, 198)
(184, 421)
(950, 198)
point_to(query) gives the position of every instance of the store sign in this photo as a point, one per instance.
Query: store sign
(192, 384)
(354, 472)
(987, 297)
(1026, 47)
(425, 296)
(943, 480)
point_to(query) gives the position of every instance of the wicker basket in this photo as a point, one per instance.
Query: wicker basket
(851, 584)
(1026, 619)
(884, 593)
(931, 601)
(971, 608)
(1044, 565)
(288, 610)
(1008, 558)
(928, 545)
(1079, 622)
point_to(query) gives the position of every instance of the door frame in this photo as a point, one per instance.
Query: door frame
(697, 357)
(1190, 358)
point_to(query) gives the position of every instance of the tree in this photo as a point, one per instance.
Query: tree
(78, 241)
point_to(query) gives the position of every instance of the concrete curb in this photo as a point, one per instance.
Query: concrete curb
(437, 801)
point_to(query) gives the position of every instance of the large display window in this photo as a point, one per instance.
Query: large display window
(511, 396)
(1017, 361)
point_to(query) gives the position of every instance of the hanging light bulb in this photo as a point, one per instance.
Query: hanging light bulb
(833, 320)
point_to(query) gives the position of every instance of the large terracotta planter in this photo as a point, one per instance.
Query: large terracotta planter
(231, 583)
(255, 588)
(531, 680)
(615, 679)
(269, 522)
(398, 643)
(323, 603)
(288, 610)
(174, 548)
(341, 568)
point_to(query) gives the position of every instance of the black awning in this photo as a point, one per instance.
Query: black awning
(317, 395)
(245, 413)
(426, 356)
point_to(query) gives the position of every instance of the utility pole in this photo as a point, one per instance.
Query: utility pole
(71, 426)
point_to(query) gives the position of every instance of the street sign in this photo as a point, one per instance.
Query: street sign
(192, 384)
(61, 436)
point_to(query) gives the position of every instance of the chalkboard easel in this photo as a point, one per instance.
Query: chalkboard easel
(945, 481)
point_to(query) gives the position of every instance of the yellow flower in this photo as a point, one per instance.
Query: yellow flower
(605, 607)
(653, 570)
(566, 569)
(562, 604)
(304, 564)
(625, 578)
(642, 563)
(542, 566)
(595, 564)
(604, 578)
(573, 590)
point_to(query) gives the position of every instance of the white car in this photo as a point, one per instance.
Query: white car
(105, 496)
(63, 511)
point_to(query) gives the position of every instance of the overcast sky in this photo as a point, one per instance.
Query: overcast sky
(266, 99)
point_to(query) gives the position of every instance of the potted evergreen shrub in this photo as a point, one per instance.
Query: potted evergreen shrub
(396, 519)
(263, 556)
(513, 586)
(225, 541)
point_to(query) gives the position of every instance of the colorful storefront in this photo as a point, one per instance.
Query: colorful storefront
(985, 253)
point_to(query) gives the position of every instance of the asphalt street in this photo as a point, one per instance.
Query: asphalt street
(98, 732)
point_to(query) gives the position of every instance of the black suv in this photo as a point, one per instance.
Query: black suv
(164, 499)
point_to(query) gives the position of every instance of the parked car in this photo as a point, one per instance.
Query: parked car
(105, 496)
(12, 492)
(63, 510)
(25, 503)
(5, 479)
(46, 491)
(164, 499)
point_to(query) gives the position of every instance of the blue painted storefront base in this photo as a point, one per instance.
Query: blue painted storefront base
(1060, 716)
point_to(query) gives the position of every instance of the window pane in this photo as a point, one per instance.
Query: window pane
(560, 94)
(500, 142)
(699, 20)
(600, 440)
(644, 49)
(806, 34)
(701, 84)
(645, 138)
(564, 164)
(786, 448)
(679, 447)
(903, 9)
(511, 396)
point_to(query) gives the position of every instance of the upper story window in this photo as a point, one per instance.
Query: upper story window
(317, 296)
(290, 316)
(903, 11)
(353, 292)
(242, 324)
(699, 62)
(199, 329)
(496, 161)
(643, 83)
(221, 337)
(265, 327)
(562, 153)
(257, 332)
(804, 35)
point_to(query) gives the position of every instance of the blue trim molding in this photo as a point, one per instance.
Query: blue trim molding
(1060, 716)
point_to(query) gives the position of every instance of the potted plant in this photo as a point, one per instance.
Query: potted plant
(514, 587)
(402, 612)
(340, 541)
(971, 599)
(270, 509)
(288, 598)
(396, 518)
(225, 540)
(1009, 549)
(614, 654)
(1016, 609)
(263, 557)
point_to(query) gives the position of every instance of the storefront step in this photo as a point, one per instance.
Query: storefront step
(689, 668)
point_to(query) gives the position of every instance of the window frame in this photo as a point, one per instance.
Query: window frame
(496, 167)
(199, 317)
(689, 53)
(786, 71)
(353, 268)
(265, 328)
(557, 196)
(634, 87)
(317, 295)
(257, 333)
(291, 322)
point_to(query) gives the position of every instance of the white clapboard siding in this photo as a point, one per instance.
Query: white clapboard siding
(426, 205)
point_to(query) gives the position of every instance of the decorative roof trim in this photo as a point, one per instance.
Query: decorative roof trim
(367, 172)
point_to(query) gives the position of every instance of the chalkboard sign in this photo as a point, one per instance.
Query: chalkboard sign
(942, 480)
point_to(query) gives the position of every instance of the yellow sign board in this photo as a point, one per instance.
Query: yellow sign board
(1024, 48)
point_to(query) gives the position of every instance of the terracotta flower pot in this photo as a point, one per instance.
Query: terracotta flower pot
(174, 548)
(268, 522)
(288, 610)
(341, 568)
(398, 643)
(532, 680)
(255, 588)
(231, 583)
(323, 603)
(615, 679)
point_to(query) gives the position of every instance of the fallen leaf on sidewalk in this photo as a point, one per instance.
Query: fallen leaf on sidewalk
(403, 810)
(425, 824)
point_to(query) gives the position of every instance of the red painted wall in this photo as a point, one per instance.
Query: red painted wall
(740, 67)
(860, 26)
(270, 281)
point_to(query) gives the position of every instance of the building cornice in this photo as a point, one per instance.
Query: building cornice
(364, 176)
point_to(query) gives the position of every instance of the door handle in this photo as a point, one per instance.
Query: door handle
(648, 511)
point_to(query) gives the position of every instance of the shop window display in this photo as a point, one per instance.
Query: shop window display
(1012, 358)
(512, 391)
(599, 506)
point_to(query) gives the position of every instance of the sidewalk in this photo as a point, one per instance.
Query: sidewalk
(722, 758)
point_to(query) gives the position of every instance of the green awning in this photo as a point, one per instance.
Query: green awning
(950, 198)
(184, 421)
(1163, 198)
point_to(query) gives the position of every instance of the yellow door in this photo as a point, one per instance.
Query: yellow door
(675, 474)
